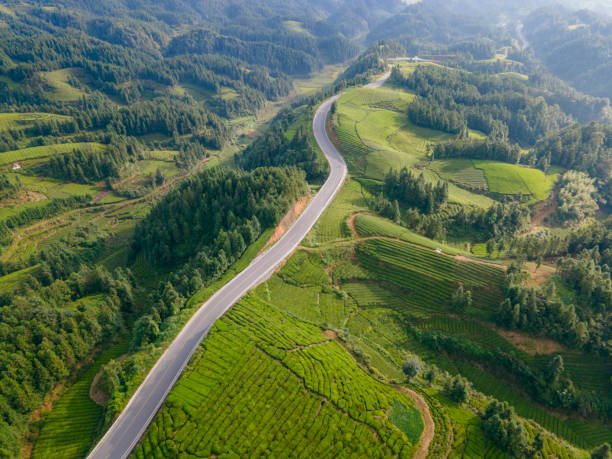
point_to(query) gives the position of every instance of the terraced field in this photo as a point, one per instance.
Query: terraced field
(333, 224)
(461, 172)
(268, 356)
(372, 225)
(374, 135)
(430, 277)
(69, 430)
(280, 368)
(502, 178)
(575, 431)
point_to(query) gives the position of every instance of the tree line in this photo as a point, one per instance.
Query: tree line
(477, 149)
(46, 331)
(550, 385)
(277, 148)
(88, 165)
(413, 190)
(205, 225)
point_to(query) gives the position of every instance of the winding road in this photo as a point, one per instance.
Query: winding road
(131, 424)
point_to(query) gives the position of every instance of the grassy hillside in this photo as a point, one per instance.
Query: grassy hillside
(374, 135)
(496, 177)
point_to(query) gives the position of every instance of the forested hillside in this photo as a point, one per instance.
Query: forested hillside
(575, 46)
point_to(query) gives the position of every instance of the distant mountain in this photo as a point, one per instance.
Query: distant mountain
(576, 46)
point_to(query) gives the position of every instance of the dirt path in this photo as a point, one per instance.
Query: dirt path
(542, 210)
(98, 395)
(480, 262)
(430, 427)
(351, 220)
(95, 393)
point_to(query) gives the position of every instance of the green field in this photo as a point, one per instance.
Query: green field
(10, 83)
(332, 226)
(506, 178)
(24, 120)
(461, 172)
(496, 177)
(16, 279)
(45, 151)
(385, 283)
(69, 429)
(62, 90)
(260, 365)
(374, 135)
(318, 81)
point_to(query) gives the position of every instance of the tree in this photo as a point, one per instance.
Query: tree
(458, 389)
(397, 216)
(159, 177)
(490, 247)
(576, 197)
(537, 446)
(602, 452)
(461, 299)
(501, 425)
(554, 369)
(146, 330)
(412, 367)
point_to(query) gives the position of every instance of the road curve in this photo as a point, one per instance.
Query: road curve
(378, 83)
(126, 431)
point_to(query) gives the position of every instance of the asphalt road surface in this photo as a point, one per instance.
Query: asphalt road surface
(375, 84)
(126, 431)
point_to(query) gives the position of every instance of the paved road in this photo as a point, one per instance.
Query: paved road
(124, 434)
(376, 84)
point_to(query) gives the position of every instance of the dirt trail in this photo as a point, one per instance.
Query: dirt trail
(98, 395)
(430, 427)
(351, 220)
(480, 262)
(542, 211)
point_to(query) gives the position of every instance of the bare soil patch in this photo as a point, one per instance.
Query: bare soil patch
(96, 393)
(540, 275)
(330, 334)
(530, 344)
(287, 221)
(543, 210)
(22, 197)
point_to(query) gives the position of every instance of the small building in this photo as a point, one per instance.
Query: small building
(16, 166)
